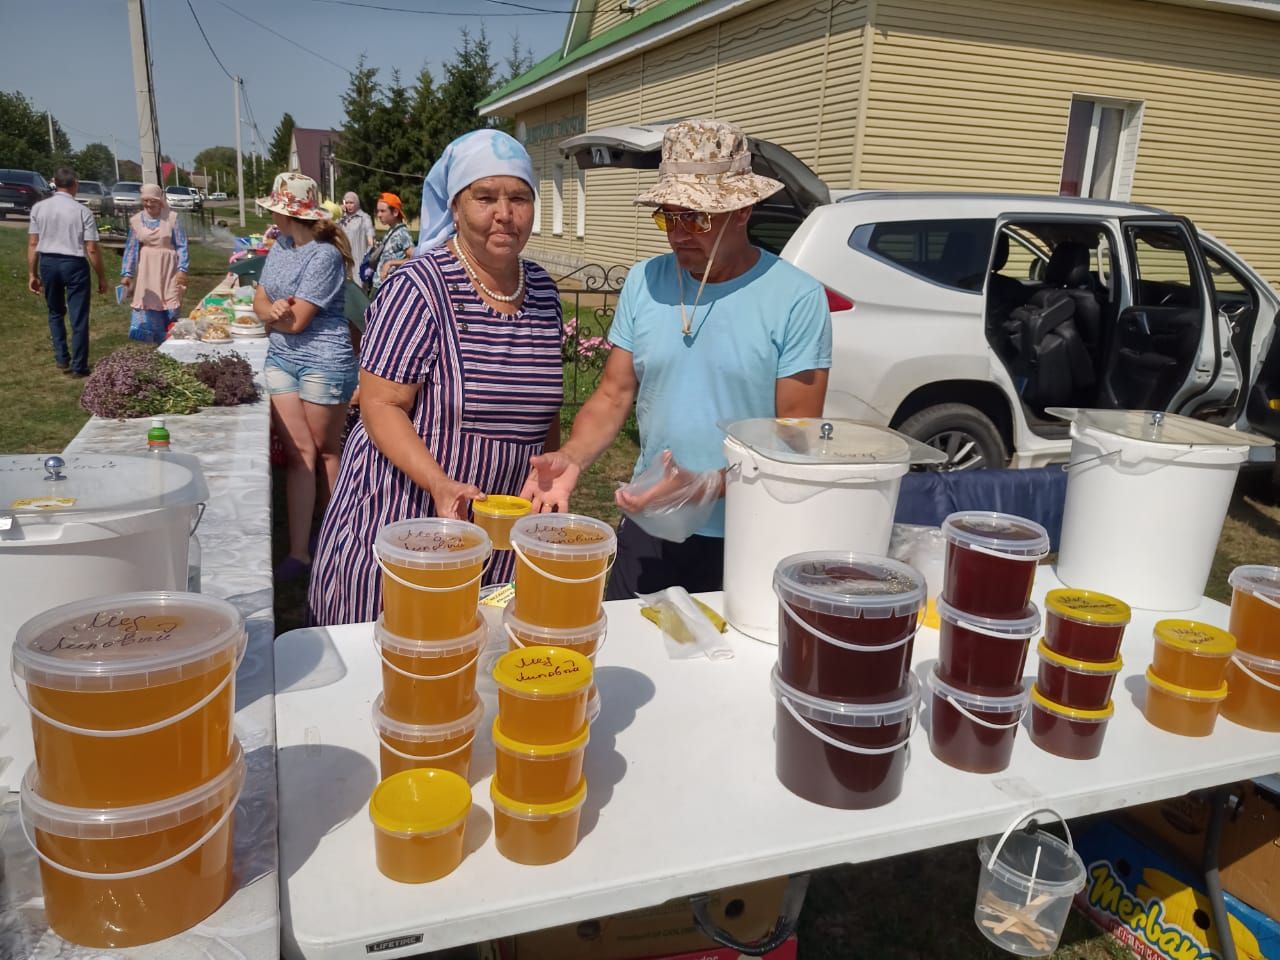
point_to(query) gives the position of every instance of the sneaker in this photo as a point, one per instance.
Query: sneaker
(290, 569)
(64, 367)
(77, 374)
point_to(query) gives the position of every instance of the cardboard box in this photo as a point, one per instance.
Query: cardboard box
(746, 912)
(1249, 854)
(787, 950)
(1156, 907)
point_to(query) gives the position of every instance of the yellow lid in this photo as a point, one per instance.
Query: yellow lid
(423, 801)
(1186, 693)
(1086, 606)
(538, 672)
(501, 505)
(1079, 666)
(539, 750)
(1198, 639)
(1071, 713)
(532, 811)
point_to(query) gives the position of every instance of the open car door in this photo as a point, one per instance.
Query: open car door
(639, 147)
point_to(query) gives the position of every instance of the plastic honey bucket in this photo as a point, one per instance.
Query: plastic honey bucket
(585, 640)
(1191, 654)
(408, 746)
(1026, 887)
(132, 697)
(1253, 698)
(431, 570)
(419, 818)
(1255, 610)
(543, 693)
(536, 833)
(124, 876)
(538, 772)
(429, 681)
(1181, 710)
(562, 562)
(496, 514)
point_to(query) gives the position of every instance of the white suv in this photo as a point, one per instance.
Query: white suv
(961, 318)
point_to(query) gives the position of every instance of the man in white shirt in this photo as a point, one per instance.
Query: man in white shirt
(62, 233)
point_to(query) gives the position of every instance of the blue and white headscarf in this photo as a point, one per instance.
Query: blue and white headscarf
(471, 157)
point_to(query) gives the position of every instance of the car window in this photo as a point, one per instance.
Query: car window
(771, 235)
(1027, 255)
(1163, 267)
(1231, 292)
(953, 253)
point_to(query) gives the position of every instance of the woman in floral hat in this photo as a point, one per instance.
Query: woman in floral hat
(310, 368)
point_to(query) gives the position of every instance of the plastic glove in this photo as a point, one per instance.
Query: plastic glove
(669, 502)
(687, 630)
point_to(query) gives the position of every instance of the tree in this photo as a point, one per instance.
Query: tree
(469, 78)
(282, 143)
(24, 136)
(96, 162)
(427, 130)
(220, 164)
(361, 104)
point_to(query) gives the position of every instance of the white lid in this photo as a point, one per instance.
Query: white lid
(1256, 578)
(426, 732)
(844, 584)
(1016, 537)
(88, 823)
(555, 636)
(564, 536)
(1014, 703)
(431, 649)
(834, 441)
(1154, 426)
(126, 642)
(842, 713)
(1027, 624)
(432, 543)
(95, 484)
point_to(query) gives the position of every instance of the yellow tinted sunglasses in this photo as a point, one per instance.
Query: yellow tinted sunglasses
(693, 221)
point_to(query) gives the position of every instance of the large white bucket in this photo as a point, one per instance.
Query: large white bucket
(1142, 519)
(775, 508)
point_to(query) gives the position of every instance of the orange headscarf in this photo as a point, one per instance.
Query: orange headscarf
(391, 200)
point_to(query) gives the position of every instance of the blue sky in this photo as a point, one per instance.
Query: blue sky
(76, 61)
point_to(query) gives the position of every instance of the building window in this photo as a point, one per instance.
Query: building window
(1101, 149)
(557, 199)
(581, 177)
(537, 202)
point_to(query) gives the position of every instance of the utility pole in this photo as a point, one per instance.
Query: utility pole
(239, 155)
(148, 136)
(116, 156)
(53, 147)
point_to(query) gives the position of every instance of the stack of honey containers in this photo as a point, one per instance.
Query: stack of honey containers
(986, 623)
(1253, 676)
(130, 801)
(546, 693)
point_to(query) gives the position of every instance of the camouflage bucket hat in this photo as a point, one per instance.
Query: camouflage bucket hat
(706, 166)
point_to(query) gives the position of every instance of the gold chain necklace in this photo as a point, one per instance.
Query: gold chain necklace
(458, 247)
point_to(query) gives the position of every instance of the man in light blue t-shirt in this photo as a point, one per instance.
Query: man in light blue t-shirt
(717, 330)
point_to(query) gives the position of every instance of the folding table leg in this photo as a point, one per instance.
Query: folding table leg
(788, 917)
(1221, 801)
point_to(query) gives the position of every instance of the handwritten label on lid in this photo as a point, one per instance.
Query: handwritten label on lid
(565, 533)
(1192, 637)
(433, 541)
(114, 634)
(543, 671)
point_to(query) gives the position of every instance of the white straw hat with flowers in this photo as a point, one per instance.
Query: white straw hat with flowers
(295, 195)
(706, 166)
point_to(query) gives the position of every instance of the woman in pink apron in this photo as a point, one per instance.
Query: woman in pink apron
(154, 269)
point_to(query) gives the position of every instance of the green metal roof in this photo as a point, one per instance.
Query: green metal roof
(663, 10)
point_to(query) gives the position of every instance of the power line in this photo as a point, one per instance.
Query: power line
(393, 173)
(546, 11)
(286, 39)
(200, 27)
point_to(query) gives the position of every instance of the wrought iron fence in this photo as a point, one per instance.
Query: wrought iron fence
(590, 296)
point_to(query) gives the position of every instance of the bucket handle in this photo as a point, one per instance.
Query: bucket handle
(1008, 832)
(200, 704)
(849, 747)
(435, 756)
(129, 874)
(845, 644)
(199, 516)
(1264, 598)
(984, 723)
(519, 551)
(425, 589)
(995, 635)
(1253, 676)
(521, 644)
(979, 548)
(419, 676)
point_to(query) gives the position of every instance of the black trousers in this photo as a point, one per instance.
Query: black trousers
(66, 291)
(647, 564)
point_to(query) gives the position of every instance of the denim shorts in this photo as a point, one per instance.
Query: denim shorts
(324, 387)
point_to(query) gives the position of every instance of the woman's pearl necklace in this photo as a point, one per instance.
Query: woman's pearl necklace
(475, 277)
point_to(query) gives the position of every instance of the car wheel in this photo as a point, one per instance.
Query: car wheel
(964, 433)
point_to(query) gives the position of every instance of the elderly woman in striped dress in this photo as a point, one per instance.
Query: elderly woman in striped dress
(460, 373)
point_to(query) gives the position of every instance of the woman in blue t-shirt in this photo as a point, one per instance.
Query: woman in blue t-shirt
(310, 368)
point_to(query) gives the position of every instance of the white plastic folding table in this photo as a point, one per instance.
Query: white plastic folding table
(682, 794)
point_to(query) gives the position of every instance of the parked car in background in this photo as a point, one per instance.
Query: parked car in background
(217, 195)
(964, 319)
(94, 196)
(126, 196)
(20, 190)
(183, 198)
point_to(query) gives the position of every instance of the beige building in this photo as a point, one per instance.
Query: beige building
(1174, 103)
